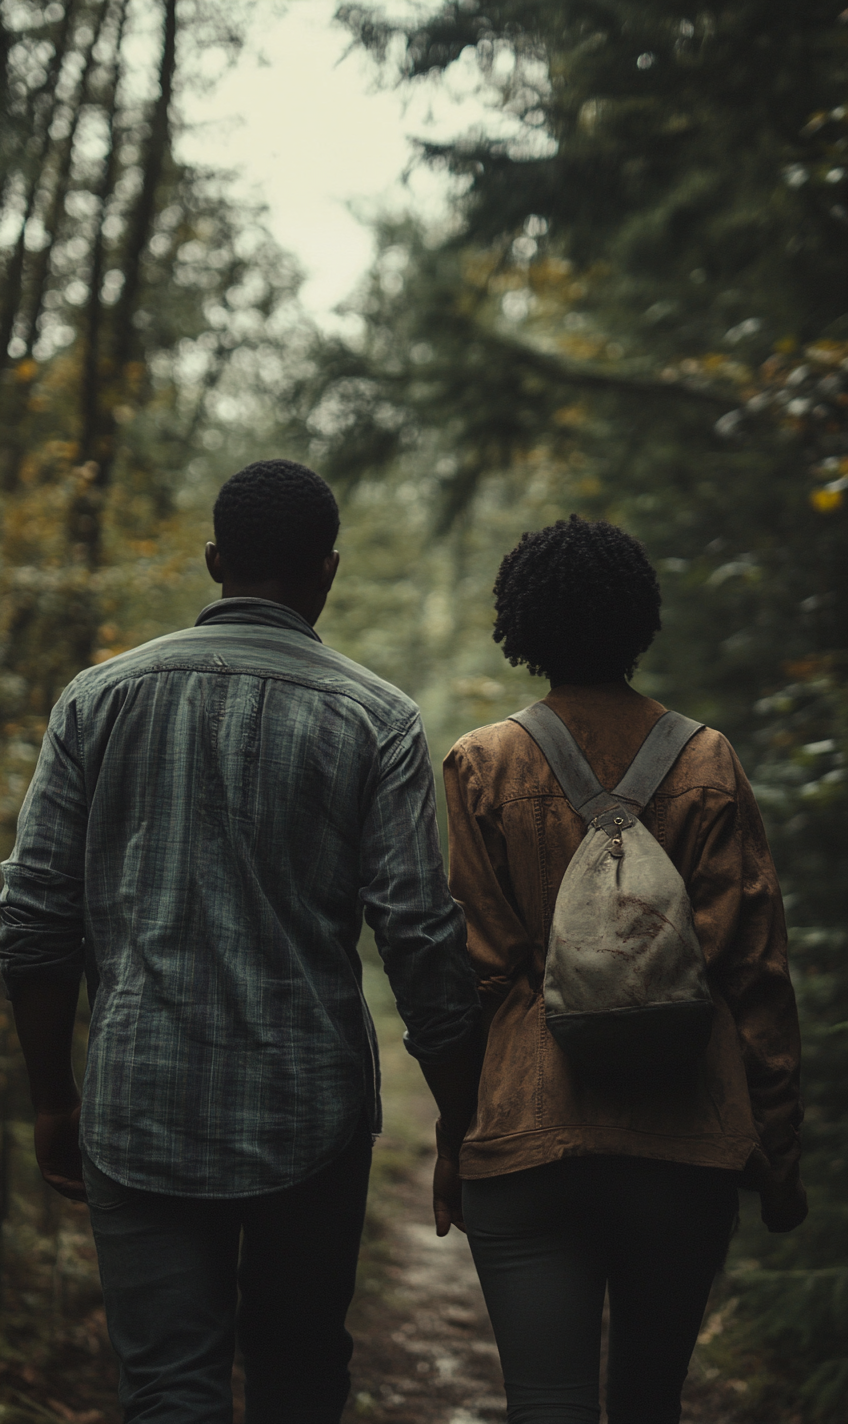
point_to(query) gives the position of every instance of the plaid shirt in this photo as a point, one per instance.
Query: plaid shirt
(209, 816)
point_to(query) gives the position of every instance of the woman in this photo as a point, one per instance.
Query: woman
(572, 1184)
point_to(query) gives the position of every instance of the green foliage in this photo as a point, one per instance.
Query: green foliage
(681, 148)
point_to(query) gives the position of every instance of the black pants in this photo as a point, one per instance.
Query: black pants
(170, 1267)
(548, 1242)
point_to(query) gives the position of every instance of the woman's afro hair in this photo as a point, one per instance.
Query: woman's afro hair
(274, 519)
(576, 602)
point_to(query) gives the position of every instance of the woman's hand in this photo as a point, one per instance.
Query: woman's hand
(785, 1208)
(447, 1196)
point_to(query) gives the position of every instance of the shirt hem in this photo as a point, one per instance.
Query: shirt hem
(167, 1190)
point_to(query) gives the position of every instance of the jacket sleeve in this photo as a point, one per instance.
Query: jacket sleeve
(739, 916)
(419, 928)
(498, 942)
(41, 906)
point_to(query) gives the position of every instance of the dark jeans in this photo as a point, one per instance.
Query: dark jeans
(170, 1267)
(548, 1241)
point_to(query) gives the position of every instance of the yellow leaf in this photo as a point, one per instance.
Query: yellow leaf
(825, 500)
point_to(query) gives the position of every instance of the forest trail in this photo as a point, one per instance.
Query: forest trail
(424, 1349)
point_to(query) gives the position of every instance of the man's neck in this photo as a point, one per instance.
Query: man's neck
(301, 601)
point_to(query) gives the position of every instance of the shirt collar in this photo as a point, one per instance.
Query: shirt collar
(255, 610)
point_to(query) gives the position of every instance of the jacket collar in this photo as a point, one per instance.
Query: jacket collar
(255, 610)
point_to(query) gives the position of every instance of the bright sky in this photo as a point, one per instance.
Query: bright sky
(311, 133)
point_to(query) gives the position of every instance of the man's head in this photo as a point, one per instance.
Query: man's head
(577, 602)
(275, 526)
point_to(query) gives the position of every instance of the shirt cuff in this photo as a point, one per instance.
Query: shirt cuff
(440, 1049)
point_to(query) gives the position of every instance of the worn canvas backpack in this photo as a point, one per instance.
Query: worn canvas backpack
(625, 979)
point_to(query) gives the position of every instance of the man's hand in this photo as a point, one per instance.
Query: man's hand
(57, 1151)
(44, 1019)
(447, 1196)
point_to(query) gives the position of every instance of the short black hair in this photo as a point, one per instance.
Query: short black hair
(577, 602)
(274, 519)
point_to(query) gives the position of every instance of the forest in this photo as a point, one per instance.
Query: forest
(637, 310)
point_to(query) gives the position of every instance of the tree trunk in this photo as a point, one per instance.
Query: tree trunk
(97, 452)
(41, 125)
(36, 276)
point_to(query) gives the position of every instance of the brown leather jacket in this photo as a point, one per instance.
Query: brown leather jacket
(512, 834)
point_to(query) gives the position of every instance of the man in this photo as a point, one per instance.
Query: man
(209, 816)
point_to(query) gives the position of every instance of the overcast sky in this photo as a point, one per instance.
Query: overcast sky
(311, 133)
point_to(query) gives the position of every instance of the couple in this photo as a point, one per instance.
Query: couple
(211, 815)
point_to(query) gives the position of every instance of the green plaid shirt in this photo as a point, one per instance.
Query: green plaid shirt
(209, 817)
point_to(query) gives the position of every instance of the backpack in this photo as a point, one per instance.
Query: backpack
(625, 978)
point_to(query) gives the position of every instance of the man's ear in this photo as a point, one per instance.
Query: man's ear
(213, 563)
(329, 569)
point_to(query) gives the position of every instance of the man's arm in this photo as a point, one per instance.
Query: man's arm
(418, 926)
(41, 945)
(420, 932)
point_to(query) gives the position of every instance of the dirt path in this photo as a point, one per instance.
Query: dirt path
(425, 1353)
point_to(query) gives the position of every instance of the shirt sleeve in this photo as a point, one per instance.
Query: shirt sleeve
(499, 944)
(418, 926)
(739, 918)
(41, 906)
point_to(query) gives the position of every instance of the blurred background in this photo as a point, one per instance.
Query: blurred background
(480, 264)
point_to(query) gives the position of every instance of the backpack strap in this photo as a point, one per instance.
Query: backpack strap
(580, 785)
(656, 757)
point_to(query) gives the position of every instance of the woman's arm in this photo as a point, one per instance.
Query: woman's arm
(498, 942)
(739, 917)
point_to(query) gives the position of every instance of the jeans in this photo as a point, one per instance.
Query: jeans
(547, 1242)
(170, 1268)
